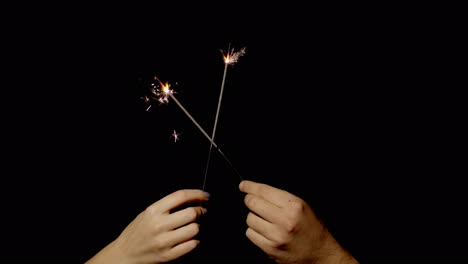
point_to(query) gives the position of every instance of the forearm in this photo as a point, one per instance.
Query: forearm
(341, 258)
(334, 253)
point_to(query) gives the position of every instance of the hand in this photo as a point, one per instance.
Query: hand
(286, 228)
(157, 234)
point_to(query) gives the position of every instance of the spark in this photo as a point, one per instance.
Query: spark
(175, 135)
(147, 100)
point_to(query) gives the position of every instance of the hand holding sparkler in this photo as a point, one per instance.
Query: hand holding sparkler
(286, 228)
(158, 234)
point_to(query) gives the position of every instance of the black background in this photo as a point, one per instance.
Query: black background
(332, 104)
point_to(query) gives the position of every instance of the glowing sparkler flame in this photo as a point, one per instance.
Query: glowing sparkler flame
(165, 88)
(232, 57)
(161, 92)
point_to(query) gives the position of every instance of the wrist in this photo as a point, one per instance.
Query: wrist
(110, 254)
(334, 253)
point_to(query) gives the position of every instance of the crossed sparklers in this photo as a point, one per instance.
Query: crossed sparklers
(162, 92)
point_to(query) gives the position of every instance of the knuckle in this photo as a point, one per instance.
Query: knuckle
(165, 256)
(181, 194)
(250, 219)
(250, 201)
(291, 225)
(192, 214)
(295, 213)
(297, 206)
(195, 228)
(277, 243)
(158, 244)
(285, 238)
(280, 238)
(149, 211)
(249, 233)
(260, 188)
(157, 228)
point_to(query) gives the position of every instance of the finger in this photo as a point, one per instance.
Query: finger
(274, 195)
(182, 234)
(260, 241)
(261, 226)
(263, 208)
(183, 248)
(185, 216)
(179, 198)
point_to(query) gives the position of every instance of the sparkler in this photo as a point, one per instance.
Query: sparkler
(162, 97)
(230, 58)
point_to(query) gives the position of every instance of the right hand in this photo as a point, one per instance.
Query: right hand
(285, 227)
(158, 235)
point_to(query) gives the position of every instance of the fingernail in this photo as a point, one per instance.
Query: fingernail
(207, 195)
(204, 210)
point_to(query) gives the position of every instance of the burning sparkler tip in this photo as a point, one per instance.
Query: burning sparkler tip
(232, 57)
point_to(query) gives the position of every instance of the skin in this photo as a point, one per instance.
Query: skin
(286, 229)
(279, 223)
(157, 235)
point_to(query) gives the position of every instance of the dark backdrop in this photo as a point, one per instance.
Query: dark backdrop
(333, 106)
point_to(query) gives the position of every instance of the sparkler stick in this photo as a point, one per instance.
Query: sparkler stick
(205, 134)
(163, 98)
(227, 60)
